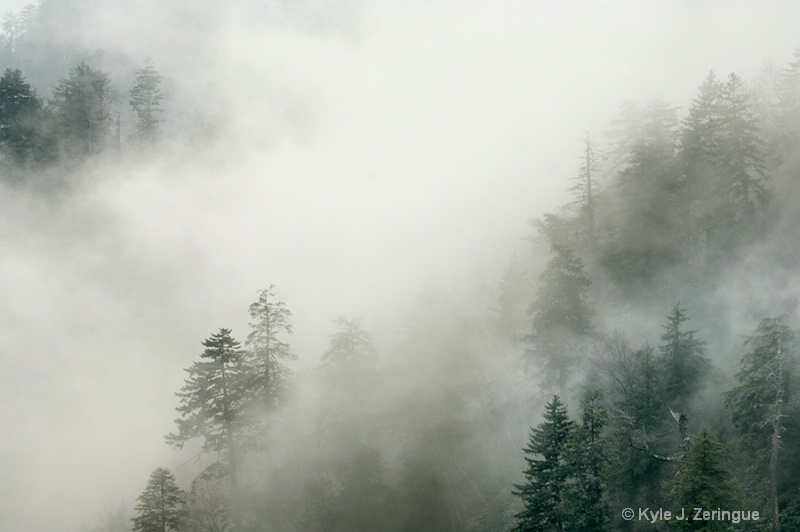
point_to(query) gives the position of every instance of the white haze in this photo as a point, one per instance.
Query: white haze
(361, 150)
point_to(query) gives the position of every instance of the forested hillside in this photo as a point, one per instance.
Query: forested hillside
(640, 352)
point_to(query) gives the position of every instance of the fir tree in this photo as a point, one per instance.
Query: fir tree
(267, 347)
(547, 476)
(562, 318)
(146, 101)
(20, 113)
(212, 400)
(83, 111)
(704, 480)
(758, 404)
(587, 493)
(160, 505)
(683, 361)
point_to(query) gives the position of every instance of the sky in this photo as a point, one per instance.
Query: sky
(361, 151)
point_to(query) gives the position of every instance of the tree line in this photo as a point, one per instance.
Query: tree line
(79, 120)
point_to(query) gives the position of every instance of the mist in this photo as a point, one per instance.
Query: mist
(357, 155)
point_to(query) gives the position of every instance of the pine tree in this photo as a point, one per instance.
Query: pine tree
(20, 117)
(83, 104)
(585, 191)
(648, 232)
(160, 505)
(548, 473)
(758, 404)
(212, 400)
(266, 347)
(146, 102)
(704, 480)
(743, 172)
(587, 491)
(683, 361)
(561, 316)
(348, 380)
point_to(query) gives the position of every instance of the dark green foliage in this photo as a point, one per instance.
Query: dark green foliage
(160, 505)
(213, 400)
(683, 361)
(589, 458)
(83, 111)
(765, 380)
(704, 480)
(547, 476)
(20, 113)
(759, 404)
(561, 316)
(146, 102)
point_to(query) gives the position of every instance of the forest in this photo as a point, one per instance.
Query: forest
(641, 351)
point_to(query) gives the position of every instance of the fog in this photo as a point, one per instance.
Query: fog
(353, 154)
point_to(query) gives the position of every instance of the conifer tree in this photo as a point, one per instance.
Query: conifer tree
(587, 494)
(561, 316)
(212, 400)
(83, 104)
(146, 101)
(267, 347)
(160, 505)
(759, 403)
(704, 480)
(683, 361)
(544, 494)
(20, 113)
(585, 191)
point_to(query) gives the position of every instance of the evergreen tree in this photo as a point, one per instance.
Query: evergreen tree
(212, 400)
(348, 379)
(759, 403)
(20, 113)
(647, 231)
(83, 104)
(683, 361)
(547, 476)
(741, 187)
(562, 318)
(160, 505)
(585, 191)
(146, 101)
(266, 347)
(587, 494)
(704, 480)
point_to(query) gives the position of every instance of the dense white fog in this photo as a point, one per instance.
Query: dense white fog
(355, 153)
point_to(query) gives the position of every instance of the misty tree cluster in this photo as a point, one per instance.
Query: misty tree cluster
(81, 117)
(567, 392)
(668, 221)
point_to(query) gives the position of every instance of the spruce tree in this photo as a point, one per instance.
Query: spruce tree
(561, 316)
(267, 347)
(588, 450)
(212, 400)
(160, 506)
(20, 113)
(704, 480)
(683, 361)
(146, 101)
(545, 492)
(83, 104)
(758, 405)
